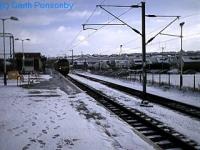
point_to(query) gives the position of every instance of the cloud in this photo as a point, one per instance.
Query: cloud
(51, 31)
(61, 29)
(85, 43)
(82, 14)
(50, 42)
(81, 38)
(34, 20)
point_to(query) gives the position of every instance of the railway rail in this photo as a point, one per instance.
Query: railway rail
(159, 134)
(187, 109)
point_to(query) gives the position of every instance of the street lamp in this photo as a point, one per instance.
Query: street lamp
(181, 51)
(23, 57)
(120, 49)
(72, 57)
(4, 45)
(181, 55)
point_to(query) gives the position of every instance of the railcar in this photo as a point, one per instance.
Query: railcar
(62, 66)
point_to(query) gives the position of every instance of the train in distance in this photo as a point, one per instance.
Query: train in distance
(62, 66)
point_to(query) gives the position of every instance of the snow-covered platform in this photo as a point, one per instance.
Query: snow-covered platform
(54, 114)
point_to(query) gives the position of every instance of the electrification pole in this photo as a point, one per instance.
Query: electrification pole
(144, 52)
(4, 52)
(181, 56)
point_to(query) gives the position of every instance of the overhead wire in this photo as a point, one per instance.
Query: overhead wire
(100, 28)
(134, 40)
(87, 20)
(110, 22)
(164, 41)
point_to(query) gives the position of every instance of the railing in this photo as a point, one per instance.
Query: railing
(21, 79)
(191, 81)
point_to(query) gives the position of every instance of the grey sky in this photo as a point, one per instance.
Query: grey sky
(52, 30)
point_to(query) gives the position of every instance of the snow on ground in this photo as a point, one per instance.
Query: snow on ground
(188, 79)
(192, 98)
(188, 126)
(31, 78)
(43, 116)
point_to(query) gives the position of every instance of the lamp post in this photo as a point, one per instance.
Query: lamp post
(4, 45)
(23, 56)
(120, 49)
(72, 56)
(181, 55)
(181, 51)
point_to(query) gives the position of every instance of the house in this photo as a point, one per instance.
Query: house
(119, 62)
(159, 62)
(191, 62)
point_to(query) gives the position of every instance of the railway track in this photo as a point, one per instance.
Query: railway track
(162, 136)
(169, 103)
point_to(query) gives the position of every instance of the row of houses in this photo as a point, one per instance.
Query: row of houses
(164, 61)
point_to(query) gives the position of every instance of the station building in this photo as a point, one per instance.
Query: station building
(32, 62)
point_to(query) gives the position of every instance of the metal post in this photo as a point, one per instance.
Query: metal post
(152, 78)
(72, 57)
(194, 82)
(4, 50)
(13, 48)
(159, 79)
(23, 57)
(181, 55)
(10, 46)
(162, 58)
(120, 49)
(143, 50)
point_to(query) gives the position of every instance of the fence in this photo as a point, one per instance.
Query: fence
(21, 80)
(189, 80)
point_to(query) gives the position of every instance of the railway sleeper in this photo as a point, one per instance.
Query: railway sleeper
(119, 113)
(137, 124)
(131, 121)
(124, 115)
(129, 117)
(114, 109)
(166, 144)
(176, 134)
(143, 128)
(149, 133)
(156, 138)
